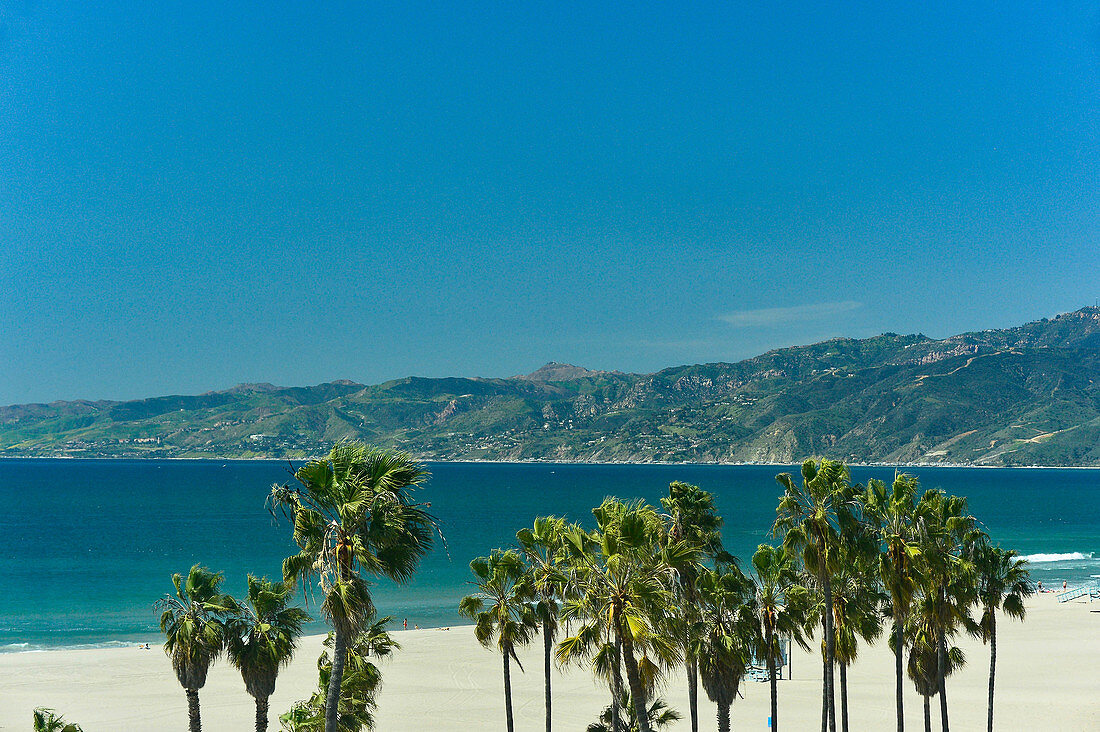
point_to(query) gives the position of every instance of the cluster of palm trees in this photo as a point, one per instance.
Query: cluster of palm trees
(648, 590)
(353, 517)
(651, 589)
(201, 623)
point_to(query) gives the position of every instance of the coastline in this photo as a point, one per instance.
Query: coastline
(212, 459)
(442, 679)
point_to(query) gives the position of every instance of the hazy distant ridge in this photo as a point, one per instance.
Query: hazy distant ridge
(1020, 396)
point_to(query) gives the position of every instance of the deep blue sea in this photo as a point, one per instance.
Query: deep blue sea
(87, 546)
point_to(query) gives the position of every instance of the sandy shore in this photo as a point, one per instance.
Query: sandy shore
(1048, 677)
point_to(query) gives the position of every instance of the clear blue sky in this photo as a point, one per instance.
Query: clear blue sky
(194, 195)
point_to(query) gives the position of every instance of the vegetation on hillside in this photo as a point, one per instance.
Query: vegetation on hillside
(1021, 396)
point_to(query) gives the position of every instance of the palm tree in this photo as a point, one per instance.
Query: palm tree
(541, 546)
(501, 610)
(730, 634)
(948, 536)
(1002, 585)
(856, 614)
(691, 517)
(193, 622)
(780, 610)
(358, 689)
(892, 514)
(622, 579)
(261, 637)
(813, 517)
(354, 516)
(47, 720)
(927, 666)
(658, 714)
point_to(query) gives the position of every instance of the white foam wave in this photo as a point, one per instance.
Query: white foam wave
(39, 648)
(1068, 557)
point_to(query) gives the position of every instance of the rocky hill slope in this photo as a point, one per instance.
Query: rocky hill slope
(1022, 396)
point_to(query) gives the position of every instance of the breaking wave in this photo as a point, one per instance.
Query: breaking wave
(1069, 557)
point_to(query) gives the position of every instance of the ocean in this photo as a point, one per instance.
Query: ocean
(88, 546)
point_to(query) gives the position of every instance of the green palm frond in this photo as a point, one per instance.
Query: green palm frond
(262, 635)
(47, 720)
(193, 622)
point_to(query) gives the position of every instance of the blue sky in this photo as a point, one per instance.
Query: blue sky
(194, 195)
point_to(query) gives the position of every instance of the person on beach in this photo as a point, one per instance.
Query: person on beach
(406, 623)
(1040, 585)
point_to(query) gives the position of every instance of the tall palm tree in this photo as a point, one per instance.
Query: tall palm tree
(47, 720)
(193, 623)
(892, 514)
(541, 546)
(354, 516)
(813, 517)
(730, 635)
(623, 582)
(780, 610)
(692, 517)
(950, 583)
(261, 637)
(501, 611)
(857, 604)
(1002, 585)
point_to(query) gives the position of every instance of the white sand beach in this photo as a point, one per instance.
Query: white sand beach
(1048, 678)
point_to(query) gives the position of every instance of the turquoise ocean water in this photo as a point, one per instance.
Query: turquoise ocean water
(86, 547)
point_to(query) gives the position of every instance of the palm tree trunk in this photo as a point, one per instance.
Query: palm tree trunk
(193, 710)
(693, 690)
(547, 643)
(844, 697)
(261, 714)
(634, 680)
(508, 694)
(927, 714)
(824, 693)
(332, 699)
(616, 686)
(771, 678)
(830, 649)
(992, 662)
(899, 651)
(724, 717)
(941, 663)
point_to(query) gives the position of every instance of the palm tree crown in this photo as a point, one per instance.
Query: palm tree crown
(354, 516)
(623, 583)
(813, 518)
(541, 546)
(729, 636)
(692, 518)
(502, 610)
(892, 513)
(193, 623)
(261, 637)
(1002, 585)
(780, 607)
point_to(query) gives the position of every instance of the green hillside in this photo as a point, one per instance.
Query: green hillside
(1021, 396)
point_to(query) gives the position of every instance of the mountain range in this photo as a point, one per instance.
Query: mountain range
(1028, 395)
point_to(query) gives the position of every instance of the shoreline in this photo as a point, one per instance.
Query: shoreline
(154, 639)
(966, 466)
